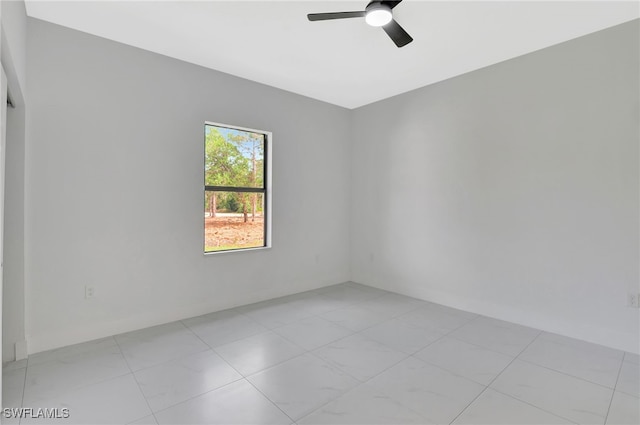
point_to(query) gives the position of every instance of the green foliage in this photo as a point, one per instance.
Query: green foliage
(229, 202)
(223, 164)
(233, 158)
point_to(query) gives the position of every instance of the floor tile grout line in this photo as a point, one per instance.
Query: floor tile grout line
(492, 349)
(366, 384)
(568, 374)
(540, 332)
(365, 336)
(229, 342)
(493, 380)
(29, 359)
(579, 344)
(442, 335)
(268, 367)
(386, 319)
(270, 401)
(358, 385)
(241, 313)
(411, 354)
(613, 393)
(628, 394)
(80, 387)
(305, 351)
(624, 360)
(172, 360)
(393, 315)
(477, 345)
(222, 358)
(135, 380)
(241, 378)
(24, 387)
(316, 348)
(533, 405)
(449, 371)
(163, 362)
(145, 398)
(406, 356)
(315, 355)
(524, 401)
(352, 332)
(229, 310)
(244, 377)
(319, 315)
(482, 346)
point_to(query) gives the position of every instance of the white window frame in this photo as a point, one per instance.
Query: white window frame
(268, 193)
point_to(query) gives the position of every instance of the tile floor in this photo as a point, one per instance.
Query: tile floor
(346, 354)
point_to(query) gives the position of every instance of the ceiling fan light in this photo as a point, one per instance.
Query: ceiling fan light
(378, 15)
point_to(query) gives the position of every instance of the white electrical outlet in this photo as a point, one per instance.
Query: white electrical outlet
(633, 300)
(89, 292)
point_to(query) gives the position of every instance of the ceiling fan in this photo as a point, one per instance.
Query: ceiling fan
(376, 14)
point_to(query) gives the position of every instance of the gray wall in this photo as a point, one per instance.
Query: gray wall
(114, 189)
(13, 55)
(14, 28)
(13, 324)
(510, 191)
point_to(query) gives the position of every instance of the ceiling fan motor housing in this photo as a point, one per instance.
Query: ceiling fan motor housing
(378, 14)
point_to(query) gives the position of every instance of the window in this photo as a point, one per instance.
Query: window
(236, 188)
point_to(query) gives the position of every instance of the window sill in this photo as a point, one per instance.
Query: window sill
(236, 251)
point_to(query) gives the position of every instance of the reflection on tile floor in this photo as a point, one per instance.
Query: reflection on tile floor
(345, 354)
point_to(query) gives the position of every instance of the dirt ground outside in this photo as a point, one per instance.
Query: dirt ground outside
(229, 231)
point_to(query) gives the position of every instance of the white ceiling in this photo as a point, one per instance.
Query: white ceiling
(344, 62)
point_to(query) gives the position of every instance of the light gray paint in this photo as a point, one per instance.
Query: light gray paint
(347, 63)
(114, 189)
(13, 292)
(510, 191)
(14, 27)
(13, 56)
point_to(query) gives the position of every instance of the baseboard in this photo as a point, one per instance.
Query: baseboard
(597, 335)
(92, 331)
(21, 349)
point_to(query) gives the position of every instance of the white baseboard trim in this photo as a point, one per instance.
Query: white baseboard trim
(537, 320)
(83, 333)
(21, 350)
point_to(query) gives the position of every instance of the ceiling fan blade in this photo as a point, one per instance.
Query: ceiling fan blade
(391, 4)
(397, 33)
(334, 15)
